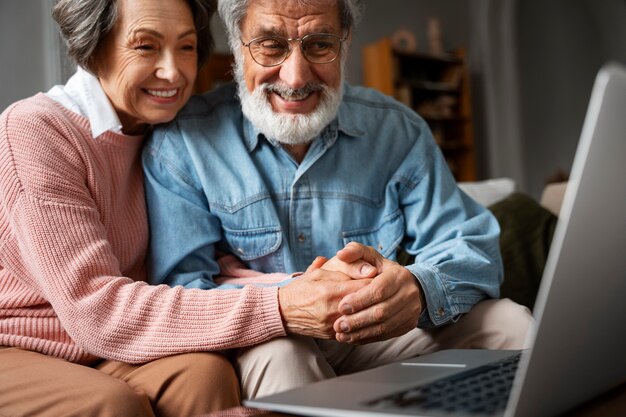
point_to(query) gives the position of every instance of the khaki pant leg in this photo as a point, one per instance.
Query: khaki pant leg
(279, 365)
(289, 362)
(346, 358)
(37, 385)
(491, 324)
(182, 385)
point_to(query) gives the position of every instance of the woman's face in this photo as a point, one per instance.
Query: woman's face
(148, 62)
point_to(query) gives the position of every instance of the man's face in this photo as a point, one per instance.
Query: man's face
(291, 20)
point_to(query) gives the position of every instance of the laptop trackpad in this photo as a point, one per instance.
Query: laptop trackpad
(401, 375)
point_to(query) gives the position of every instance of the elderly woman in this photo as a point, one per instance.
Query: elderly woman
(81, 333)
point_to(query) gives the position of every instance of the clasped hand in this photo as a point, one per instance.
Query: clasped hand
(356, 297)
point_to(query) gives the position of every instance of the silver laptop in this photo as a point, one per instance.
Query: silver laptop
(579, 340)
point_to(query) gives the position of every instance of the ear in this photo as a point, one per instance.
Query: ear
(96, 63)
(94, 67)
(348, 41)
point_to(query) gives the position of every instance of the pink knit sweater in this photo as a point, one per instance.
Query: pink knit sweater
(73, 238)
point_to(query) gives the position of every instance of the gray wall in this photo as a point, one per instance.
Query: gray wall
(558, 46)
(22, 57)
(562, 44)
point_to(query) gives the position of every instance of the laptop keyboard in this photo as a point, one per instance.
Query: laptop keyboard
(484, 390)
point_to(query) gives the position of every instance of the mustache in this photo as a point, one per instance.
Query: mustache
(288, 91)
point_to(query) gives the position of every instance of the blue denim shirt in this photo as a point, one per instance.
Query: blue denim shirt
(374, 175)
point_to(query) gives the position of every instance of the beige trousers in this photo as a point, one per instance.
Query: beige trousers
(33, 384)
(289, 362)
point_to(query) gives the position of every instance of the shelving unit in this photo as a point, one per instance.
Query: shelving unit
(437, 88)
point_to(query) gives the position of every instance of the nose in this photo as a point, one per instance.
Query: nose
(296, 70)
(167, 67)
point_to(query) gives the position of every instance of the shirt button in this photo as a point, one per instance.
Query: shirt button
(380, 247)
(441, 311)
(301, 237)
(240, 251)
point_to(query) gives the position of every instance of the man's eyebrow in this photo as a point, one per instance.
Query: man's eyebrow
(325, 29)
(159, 35)
(268, 31)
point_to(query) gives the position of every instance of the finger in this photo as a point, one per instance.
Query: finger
(372, 316)
(381, 288)
(309, 306)
(321, 274)
(354, 251)
(356, 270)
(360, 269)
(351, 252)
(317, 263)
(393, 326)
(344, 288)
(332, 282)
(372, 334)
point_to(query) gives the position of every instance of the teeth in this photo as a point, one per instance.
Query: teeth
(163, 93)
(294, 97)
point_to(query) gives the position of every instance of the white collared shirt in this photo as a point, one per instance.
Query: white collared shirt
(84, 95)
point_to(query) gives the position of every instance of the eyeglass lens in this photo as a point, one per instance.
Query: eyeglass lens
(317, 48)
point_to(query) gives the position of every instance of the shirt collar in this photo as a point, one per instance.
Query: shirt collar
(84, 95)
(345, 116)
(344, 123)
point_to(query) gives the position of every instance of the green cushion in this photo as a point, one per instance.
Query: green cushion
(526, 233)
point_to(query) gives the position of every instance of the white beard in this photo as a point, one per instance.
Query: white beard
(288, 129)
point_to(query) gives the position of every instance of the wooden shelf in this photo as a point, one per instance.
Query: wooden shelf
(437, 88)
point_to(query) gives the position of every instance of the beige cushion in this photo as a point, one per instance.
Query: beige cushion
(490, 191)
(552, 196)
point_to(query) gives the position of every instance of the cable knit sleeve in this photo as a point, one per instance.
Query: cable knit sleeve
(68, 233)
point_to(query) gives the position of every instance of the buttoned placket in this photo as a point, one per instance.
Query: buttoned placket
(301, 223)
(301, 202)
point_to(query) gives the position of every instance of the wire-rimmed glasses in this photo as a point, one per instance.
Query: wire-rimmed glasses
(318, 48)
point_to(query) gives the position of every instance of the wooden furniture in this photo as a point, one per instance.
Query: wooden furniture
(437, 88)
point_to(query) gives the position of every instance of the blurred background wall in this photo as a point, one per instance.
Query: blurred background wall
(532, 65)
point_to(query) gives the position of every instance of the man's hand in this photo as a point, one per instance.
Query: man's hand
(388, 307)
(309, 305)
(356, 297)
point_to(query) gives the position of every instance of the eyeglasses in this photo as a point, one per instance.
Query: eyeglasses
(318, 48)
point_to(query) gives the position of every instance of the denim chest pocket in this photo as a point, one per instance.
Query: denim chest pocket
(385, 238)
(250, 244)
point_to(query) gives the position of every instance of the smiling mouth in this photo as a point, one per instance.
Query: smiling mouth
(162, 93)
(290, 94)
(295, 96)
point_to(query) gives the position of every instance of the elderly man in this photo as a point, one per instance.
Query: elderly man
(291, 163)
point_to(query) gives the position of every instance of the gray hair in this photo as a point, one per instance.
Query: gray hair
(233, 12)
(84, 25)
